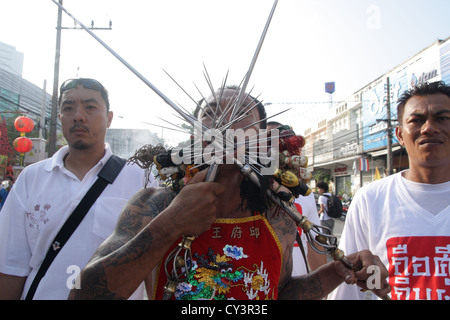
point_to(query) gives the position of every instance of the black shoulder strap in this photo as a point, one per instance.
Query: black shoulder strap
(328, 198)
(107, 175)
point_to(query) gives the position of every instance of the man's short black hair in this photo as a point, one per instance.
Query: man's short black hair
(322, 185)
(422, 89)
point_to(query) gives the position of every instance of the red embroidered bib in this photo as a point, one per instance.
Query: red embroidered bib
(235, 259)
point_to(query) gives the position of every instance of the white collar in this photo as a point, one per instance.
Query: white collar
(57, 160)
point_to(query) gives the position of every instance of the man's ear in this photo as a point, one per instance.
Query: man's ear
(110, 118)
(399, 134)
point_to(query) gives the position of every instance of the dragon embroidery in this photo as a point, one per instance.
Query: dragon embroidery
(214, 275)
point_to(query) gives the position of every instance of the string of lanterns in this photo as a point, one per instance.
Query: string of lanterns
(23, 144)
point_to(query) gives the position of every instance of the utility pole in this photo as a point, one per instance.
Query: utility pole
(54, 110)
(389, 128)
(42, 120)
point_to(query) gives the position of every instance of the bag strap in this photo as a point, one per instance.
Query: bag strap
(328, 198)
(107, 175)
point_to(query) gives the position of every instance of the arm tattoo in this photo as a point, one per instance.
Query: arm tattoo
(117, 250)
(142, 208)
(139, 211)
(305, 287)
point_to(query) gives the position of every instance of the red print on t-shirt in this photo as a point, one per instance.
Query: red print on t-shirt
(419, 268)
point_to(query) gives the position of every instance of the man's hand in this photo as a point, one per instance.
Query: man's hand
(195, 206)
(371, 275)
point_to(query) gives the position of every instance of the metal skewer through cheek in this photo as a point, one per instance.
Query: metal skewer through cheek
(173, 277)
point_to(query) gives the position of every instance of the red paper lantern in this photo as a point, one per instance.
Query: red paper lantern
(22, 144)
(24, 124)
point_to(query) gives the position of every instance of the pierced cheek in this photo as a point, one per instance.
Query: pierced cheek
(207, 123)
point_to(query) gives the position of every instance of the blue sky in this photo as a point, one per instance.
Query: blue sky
(351, 42)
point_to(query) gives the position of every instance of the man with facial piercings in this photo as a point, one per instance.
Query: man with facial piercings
(243, 242)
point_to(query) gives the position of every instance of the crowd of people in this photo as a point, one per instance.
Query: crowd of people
(243, 245)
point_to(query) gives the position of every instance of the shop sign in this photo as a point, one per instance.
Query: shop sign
(349, 148)
(341, 171)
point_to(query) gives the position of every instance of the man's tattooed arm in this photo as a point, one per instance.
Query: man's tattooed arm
(126, 258)
(149, 224)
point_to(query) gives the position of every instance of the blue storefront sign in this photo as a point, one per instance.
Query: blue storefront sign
(445, 62)
(374, 112)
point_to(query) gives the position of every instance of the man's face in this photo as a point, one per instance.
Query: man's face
(84, 118)
(212, 111)
(234, 137)
(425, 130)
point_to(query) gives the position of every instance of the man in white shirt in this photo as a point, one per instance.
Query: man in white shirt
(306, 205)
(325, 220)
(46, 193)
(405, 218)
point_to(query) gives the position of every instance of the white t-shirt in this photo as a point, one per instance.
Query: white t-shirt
(323, 200)
(41, 200)
(387, 218)
(309, 210)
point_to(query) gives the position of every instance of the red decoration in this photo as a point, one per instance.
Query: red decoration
(5, 146)
(22, 144)
(10, 170)
(291, 142)
(24, 124)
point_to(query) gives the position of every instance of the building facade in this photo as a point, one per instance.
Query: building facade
(11, 60)
(20, 97)
(125, 142)
(351, 145)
